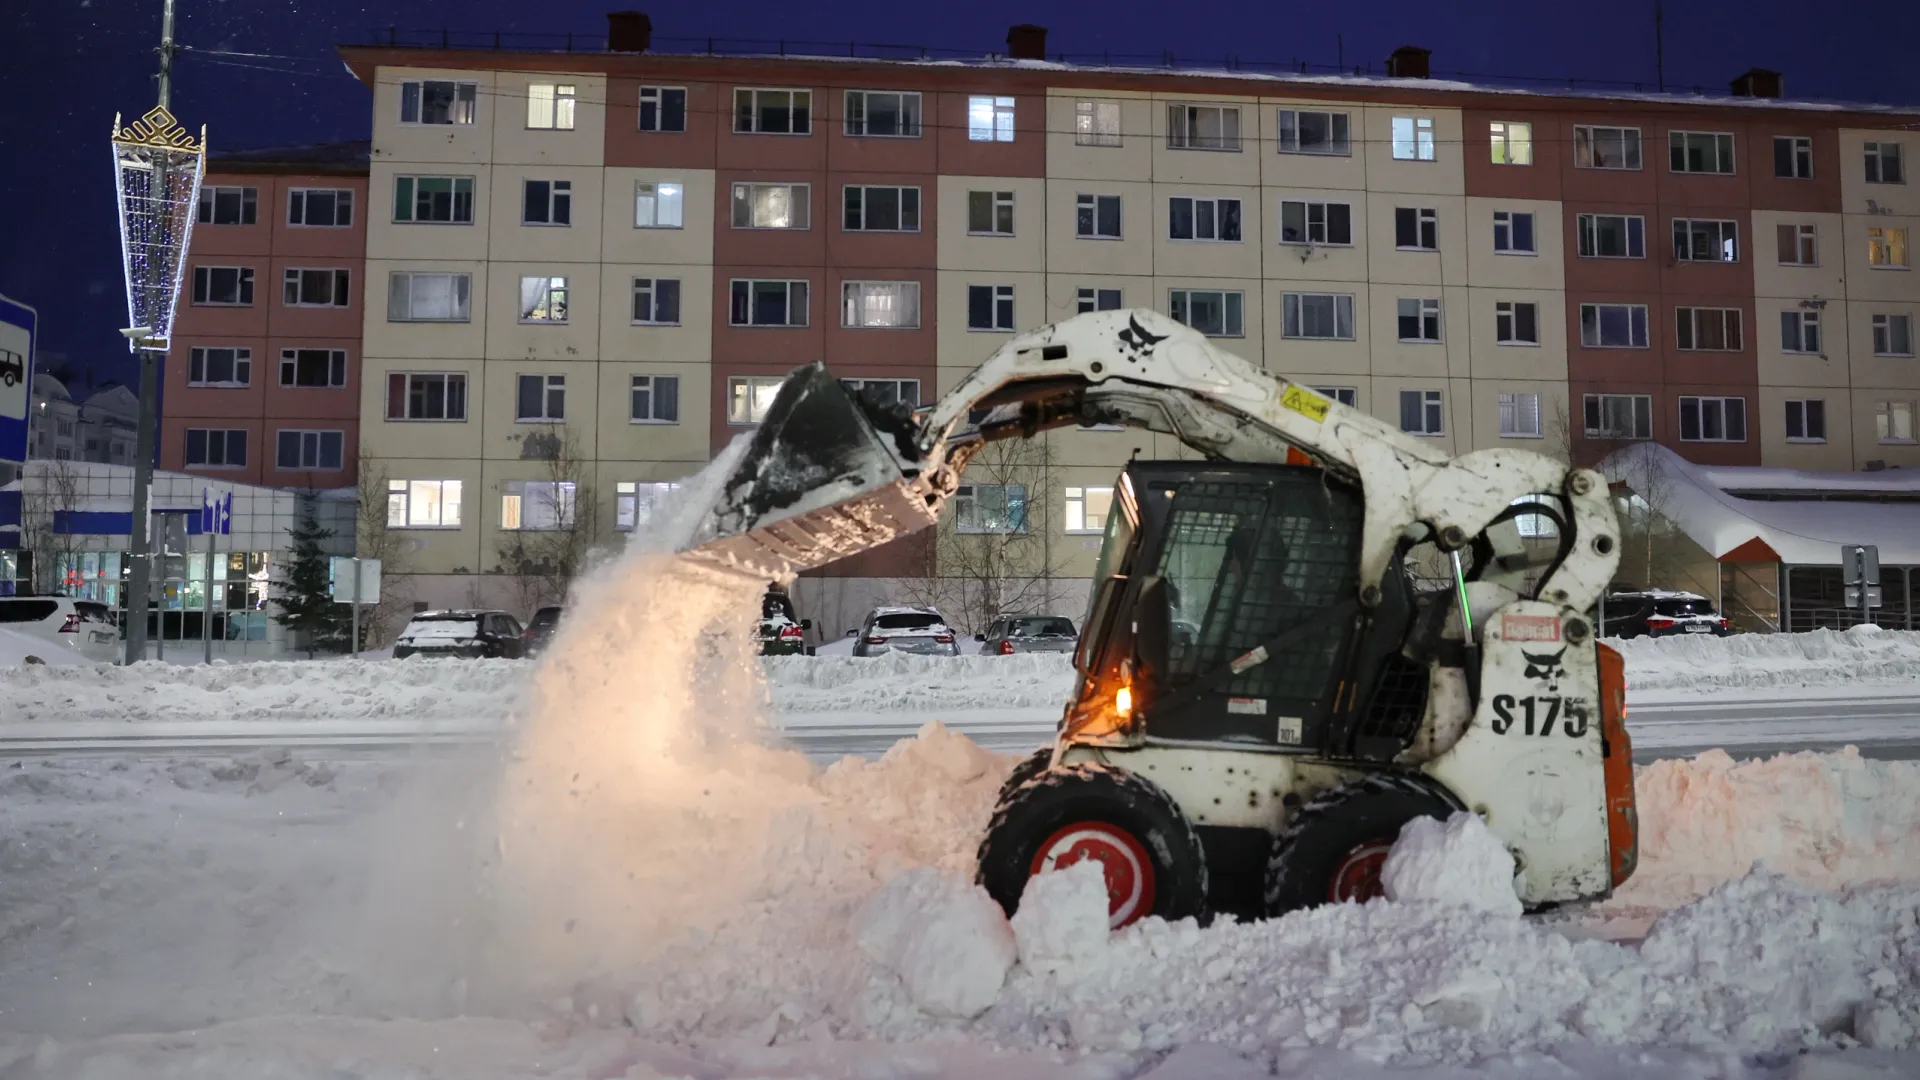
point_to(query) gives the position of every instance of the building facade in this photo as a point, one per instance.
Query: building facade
(262, 384)
(100, 429)
(610, 260)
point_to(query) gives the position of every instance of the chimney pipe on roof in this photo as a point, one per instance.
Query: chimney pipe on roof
(1027, 42)
(629, 31)
(1760, 83)
(1408, 62)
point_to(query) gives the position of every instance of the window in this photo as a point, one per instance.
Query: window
(1699, 152)
(1087, 509)
(320, 207)
(770, 206)
(891, 305)
(750, 396)
(1416, 229)
(1606, 147)
(547, 202)
(423, 504)
(1893, 335)
(219, 448)
(1519, 416)
(315, 288)
(990, 213)
(656, 301)
(228, 205)
(1613, 326)
(1893, 421)
(1304, 222)
(550, 106)
(663, 108)
(537, 505)
(1612, 236)
(883, 114)
(1213, 312)
(773, 112)
(881, 209)
(1713, 419)
(989, 307)
(1793, 157)
(1695, 240)
(1800, 331)
(414, 395)
(989, 119)
(886, 391)
(1303, 132)
(1513, 232)
(1203, 127)
(208, 366)
(1317, 316)
(1203, 219)
(1797, 245)
(1887, 248)
(1419, 320)
(1422, 412)
(1807, 420)
(654, 399)
(321, 368)
(540, 399)
(322, 451)
(1707, 329)
(1096, 123)
(768, 303)
(1097, 300)
(990, 508)
(636, 503)
(1097, 217)
(1345, 395)
(438, 200)
(1883, 163)
(543, 299)
(1516, 323)
(657, 206)
(1619, 416)
(417, 297)
(231, 286)
(435, 101)
(1512, 142)
(1413, 138)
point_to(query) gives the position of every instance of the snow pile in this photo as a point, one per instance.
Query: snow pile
(902, 682)
(1815, 658)
(1457, 861)
(943, 936)
(1063, 917)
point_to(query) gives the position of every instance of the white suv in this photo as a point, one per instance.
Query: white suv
(86, 627)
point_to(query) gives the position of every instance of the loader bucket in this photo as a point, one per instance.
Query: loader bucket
(826, 475)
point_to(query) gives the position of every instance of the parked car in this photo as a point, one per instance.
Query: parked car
(540, 630)
(905, 629)
(460, 633)
(1011, 634)
(780, 633)
(1660, 613)
(85, 627)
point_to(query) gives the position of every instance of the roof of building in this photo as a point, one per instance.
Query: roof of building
(1714, 507)
(331, 158)
(46, 386)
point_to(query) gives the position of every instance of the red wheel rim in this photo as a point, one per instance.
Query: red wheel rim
(1128, 870)
(1357, 878)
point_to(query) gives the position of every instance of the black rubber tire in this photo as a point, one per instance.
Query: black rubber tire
(1056, 798)
(1028, 768)
(1319, 837)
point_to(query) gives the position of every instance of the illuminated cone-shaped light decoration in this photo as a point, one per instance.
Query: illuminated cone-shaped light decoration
(159, 166)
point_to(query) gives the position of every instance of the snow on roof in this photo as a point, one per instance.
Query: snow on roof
(1806, 532)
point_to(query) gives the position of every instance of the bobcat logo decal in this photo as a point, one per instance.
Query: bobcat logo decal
(1546, 666)
(1138, 342)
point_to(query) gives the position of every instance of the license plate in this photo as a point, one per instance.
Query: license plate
(1698, 628)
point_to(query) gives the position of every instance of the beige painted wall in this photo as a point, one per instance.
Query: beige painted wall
(1067, 159)
(1026, 249)
(395, 141)
(621, 241)
(1825, 280)
(1446, 174)
(516, 143)
(1347, 172)
(1069, 253)
(1227, 167)
(511, 239)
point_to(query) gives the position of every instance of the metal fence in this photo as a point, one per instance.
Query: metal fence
(1816, 600)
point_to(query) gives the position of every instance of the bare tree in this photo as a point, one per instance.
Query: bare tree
(1652, 547)
(375, 538)
(48, 489)
(560, 520)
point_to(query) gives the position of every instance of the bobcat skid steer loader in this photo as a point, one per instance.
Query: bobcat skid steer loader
(1319, 632)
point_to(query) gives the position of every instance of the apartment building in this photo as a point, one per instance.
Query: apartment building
(623, 252)
(262, 384)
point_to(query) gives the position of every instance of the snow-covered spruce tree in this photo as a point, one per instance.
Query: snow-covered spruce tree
(306, 606)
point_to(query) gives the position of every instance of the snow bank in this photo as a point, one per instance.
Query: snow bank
(1063, 917)
(897, 681)
(1815, 658)
(1457, 861)
(945, 938)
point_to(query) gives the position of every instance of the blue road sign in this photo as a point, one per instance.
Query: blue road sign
(18, 324)
(216, 515)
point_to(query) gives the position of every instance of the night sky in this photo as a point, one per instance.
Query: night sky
(70, 64)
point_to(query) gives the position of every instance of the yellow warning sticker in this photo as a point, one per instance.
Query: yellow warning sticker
(1306, 403)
